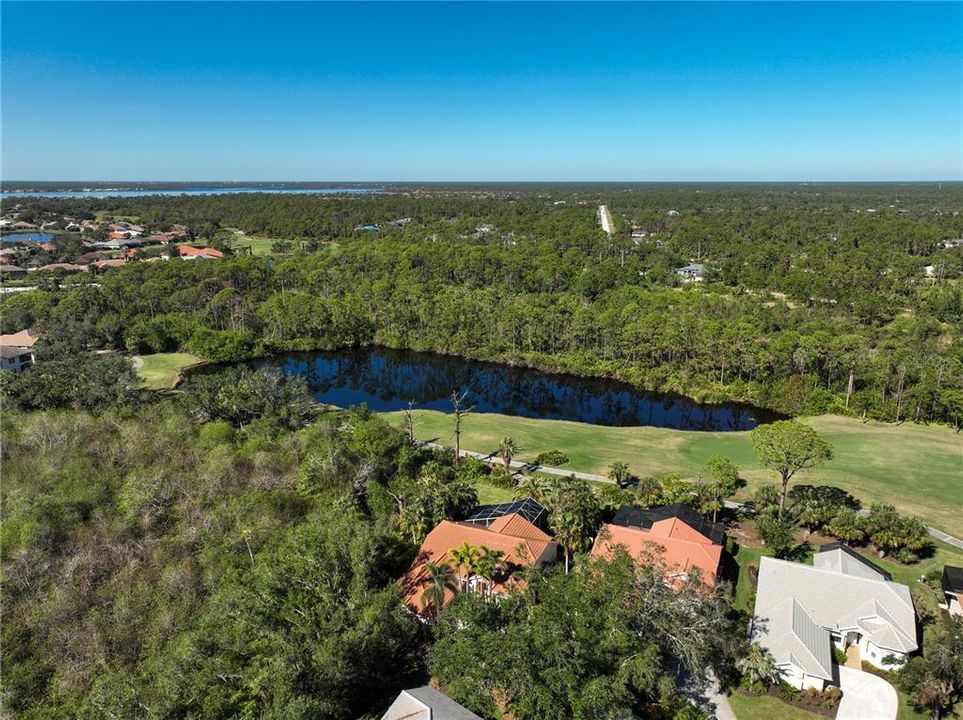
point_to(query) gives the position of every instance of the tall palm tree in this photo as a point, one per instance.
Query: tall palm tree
(508, 449)
(465, 558)
(441, 579)
(568, 531)
(490, 564)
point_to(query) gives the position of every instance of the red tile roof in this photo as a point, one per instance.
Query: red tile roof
(188, 251)
(679, 545)
(522, 543)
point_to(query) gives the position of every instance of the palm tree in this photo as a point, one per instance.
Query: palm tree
(465, 558)
(534, 487)
(619, 472)
(568, 532)
(490, 564)
(441, 579)
(507, 449)
(758, 666)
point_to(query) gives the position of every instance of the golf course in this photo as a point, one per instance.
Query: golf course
(917, 468)
(161, 370)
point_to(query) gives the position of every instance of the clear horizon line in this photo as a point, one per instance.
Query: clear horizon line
(490, 182)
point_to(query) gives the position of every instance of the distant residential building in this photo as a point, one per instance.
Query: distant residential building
(426, 703)
(203, 253)
(401, 222)
(929, 270)
(672, 213)
(16, 351)
(89, 257)
(953, 243)
(15, 359)
(953, 589)
(21, 225)
(692, 273)
(12, 271)
(110, 263)
(63, 267)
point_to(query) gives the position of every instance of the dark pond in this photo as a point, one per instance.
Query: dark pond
(387, 379)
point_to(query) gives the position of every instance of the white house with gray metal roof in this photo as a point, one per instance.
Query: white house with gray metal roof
(426, 703)
(803, 610)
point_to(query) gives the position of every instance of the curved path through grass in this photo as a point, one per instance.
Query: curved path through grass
(918, 469)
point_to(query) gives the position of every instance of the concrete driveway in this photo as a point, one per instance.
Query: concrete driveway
(865, 696)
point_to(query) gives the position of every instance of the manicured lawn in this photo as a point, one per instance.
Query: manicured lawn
(918, 469)
(745, 558)
(258, 245)
(160, 371)
(766, 707)
(489, 494)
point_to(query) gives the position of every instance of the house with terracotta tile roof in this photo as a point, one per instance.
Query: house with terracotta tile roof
(65, 267)
(110, 263)
(671, 540)
(522, 544)
(204, 253)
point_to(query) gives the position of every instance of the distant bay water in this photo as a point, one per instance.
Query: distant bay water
(120, 191)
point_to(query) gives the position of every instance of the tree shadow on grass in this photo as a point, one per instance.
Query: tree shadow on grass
(800, 553)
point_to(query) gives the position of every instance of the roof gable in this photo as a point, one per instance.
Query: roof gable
(839, 557)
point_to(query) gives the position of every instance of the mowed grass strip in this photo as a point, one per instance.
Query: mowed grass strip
(766, 707)
(919, 469)
(160, 370)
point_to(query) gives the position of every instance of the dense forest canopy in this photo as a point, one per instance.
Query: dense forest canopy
(233, 550)
(815, 298)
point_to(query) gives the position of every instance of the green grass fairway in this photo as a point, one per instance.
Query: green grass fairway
(160, 371)
(258, 245)
(918, 469)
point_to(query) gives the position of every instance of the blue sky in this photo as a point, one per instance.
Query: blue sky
(499, 91)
